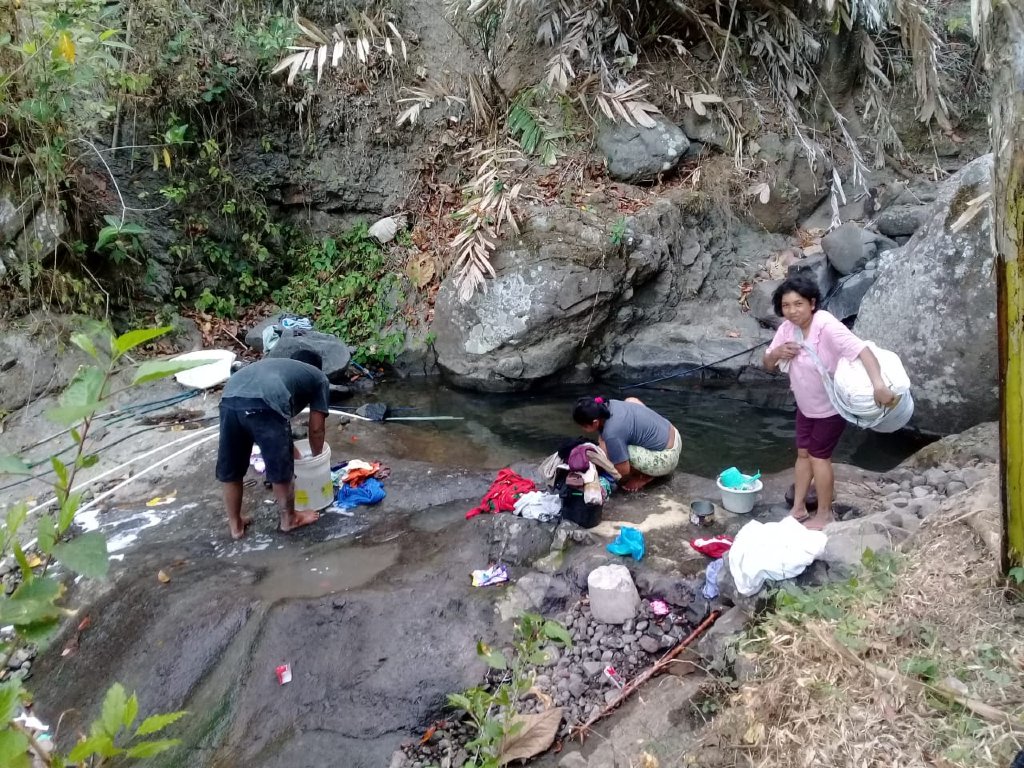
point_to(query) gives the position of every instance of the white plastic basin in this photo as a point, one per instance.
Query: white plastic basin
(205, 376)
(740, 502)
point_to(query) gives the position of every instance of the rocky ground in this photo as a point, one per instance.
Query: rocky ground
(357, 604)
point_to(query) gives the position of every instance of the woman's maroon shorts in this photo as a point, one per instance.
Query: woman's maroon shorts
(819, 437)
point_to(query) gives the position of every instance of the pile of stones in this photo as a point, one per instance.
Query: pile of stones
(921, 491)
(573, 678)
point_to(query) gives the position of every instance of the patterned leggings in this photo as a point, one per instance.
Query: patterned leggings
(656, 463)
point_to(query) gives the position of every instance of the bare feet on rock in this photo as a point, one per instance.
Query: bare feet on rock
(635, 482)
(298, 520)
(237, 534)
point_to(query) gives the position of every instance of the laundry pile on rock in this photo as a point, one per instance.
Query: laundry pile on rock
(358, 482)
(579, 478)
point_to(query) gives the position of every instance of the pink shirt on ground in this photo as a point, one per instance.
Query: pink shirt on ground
(833, 342)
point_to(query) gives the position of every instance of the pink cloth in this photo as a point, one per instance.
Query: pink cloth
(833, 342)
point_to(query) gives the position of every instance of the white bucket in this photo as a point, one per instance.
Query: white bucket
(313, 487)
(740, 502)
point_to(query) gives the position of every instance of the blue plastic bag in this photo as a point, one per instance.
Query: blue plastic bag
(734, 479)
(630, 541)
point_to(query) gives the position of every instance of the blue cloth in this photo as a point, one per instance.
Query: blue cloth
(710, 590)
(369, 492)
(630, 541)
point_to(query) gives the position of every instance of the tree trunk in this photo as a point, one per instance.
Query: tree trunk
(1005, 47)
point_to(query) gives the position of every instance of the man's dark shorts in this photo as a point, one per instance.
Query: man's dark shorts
(819, 437)
(244, 421)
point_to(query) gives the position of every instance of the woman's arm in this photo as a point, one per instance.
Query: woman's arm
(883, 395)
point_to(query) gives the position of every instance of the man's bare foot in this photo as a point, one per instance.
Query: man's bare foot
(238, 534)
(801, 515)
(636, 482)
(298, 520)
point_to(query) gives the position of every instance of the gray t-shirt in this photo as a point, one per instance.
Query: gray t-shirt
(285, 385)
(633, 424)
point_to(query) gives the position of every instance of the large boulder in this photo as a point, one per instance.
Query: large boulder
(818, 268)
(639, 155)
(902, 220)
(850, 247)
(845, 302)
(569, 300)
(934, 304)
(333, 351)
(761, 306)
(799, 177)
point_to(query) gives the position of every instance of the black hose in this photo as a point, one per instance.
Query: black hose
(692, 370)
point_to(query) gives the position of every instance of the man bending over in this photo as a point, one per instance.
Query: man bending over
(258, 405)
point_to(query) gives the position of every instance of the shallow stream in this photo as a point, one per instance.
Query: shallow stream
(749, 427)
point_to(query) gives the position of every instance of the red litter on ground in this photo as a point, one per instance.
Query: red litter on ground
(284, 673)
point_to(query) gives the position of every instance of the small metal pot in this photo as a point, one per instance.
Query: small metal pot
(702, 512)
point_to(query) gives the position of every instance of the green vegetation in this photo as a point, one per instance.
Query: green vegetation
(346, 286)
(492, 709)
(36, 608)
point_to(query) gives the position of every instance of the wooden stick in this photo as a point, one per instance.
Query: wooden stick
(660, 665)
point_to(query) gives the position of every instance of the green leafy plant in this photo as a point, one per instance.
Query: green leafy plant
(618, 233)
(120, 239)
(492, 710)
(345, 285)
(36, 607)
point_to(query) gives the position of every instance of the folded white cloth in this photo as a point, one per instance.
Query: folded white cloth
(773, 551)
(537, 505)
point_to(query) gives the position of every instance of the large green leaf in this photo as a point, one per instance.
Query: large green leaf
(13, 749)
(40, 588)
(12, 465)
(132, 339)
(131, 711)
(85, 388)
(151, 370)
(10, 692)
(96, 744)
(152, 748)
(22, 612)
(85, 554)
(156, 723)
(114, 705)
(47, 533)
(85, 343)
(66, 415)
(555, 631)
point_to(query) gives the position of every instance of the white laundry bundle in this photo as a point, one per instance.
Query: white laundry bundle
(773, 551)
(852, 395)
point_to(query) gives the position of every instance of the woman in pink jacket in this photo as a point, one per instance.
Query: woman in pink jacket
(818, 425)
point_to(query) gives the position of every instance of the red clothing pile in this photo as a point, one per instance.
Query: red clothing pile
(503, 493)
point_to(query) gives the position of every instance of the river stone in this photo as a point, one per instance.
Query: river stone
(760, 302)
(818, 269)
(901, 220)
(613, 596)
(799, 180)
(639, 155)
(845, 302)
(517, 541)
(954, 487)
(333, 351)
(573, 760)
(705, 129)
(848, 248)
(949, 351)
(41, 235)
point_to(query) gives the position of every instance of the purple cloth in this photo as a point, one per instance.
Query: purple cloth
(578, 459)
